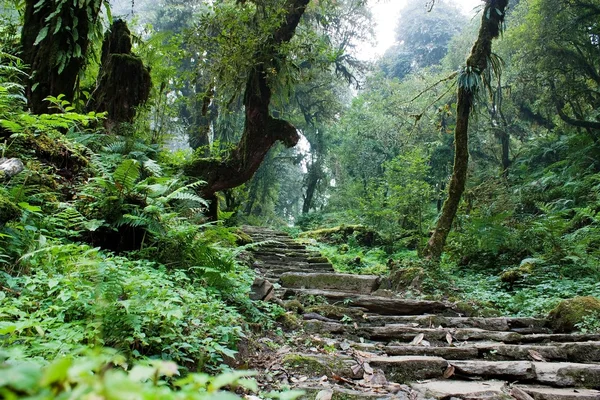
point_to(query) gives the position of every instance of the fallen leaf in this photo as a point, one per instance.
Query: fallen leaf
(355, 325)
(342, 379)
(367, 368)
(449, 371)
(345, 345)
(449, 338)
(417, 339)
(536, 356)
(356, 368)
(324, 395)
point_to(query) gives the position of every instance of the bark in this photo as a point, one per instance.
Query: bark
(261, 130)
(44, 58)
(124, 82)
(492, 19)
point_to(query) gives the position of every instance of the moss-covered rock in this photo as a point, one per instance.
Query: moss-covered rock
(570, 312)
(290, 321)
(242, 238)
(316, 365)
(405, 279)
(294, 305)
(8, 210)
(513, 275)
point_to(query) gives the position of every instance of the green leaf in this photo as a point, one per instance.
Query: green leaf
(57, 371)
(28, 207)
(41, 35)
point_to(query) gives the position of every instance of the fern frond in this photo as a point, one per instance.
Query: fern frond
(127, 174)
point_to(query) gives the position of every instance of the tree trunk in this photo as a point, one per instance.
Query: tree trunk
(58, 57)
(123, 81)
(491, 23)
(261, 130)
(313, 177)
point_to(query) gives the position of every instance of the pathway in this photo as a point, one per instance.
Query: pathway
(366, 345)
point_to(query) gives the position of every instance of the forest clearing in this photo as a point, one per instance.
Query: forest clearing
(252, 199)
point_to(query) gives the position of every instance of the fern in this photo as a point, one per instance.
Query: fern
(126, 175)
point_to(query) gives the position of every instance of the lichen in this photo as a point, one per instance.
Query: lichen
(570, 312)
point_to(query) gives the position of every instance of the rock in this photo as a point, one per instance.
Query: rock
(382, 305)
(488, 390)
(450, 353)
(359, 284)
(548, 393)
(403, 369)
(570, 312)
(568, 374)
(9, 211)
(10, 167)
(317, 365)
(511, 370)
(261, 289)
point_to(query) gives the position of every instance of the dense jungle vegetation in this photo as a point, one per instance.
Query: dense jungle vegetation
(148, 132)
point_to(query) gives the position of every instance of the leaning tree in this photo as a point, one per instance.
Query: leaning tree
(261, 130)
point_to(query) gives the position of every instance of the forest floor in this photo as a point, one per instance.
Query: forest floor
(344, 337)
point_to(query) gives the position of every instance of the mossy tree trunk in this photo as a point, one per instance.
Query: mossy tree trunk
(468, 84)
(55, 41)
(261, 130)
(124, 82)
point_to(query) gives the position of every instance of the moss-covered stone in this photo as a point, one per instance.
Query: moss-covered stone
(8, 210)
(569, 313)
(318, 365)
(242, 238)
(290, 321)
(294, 305)
(405, 279)
(513, 275)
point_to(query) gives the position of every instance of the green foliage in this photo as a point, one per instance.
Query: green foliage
(104, 373)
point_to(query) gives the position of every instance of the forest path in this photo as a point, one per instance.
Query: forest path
(357, 342)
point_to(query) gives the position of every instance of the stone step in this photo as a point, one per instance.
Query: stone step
(408, 369)
(582, 352)
(360, 284)
(520, 325)
(549, 393)
(445, 389)
(280, 246)
(496, 390)
(280, 268)
(381, 305)
(406, 333)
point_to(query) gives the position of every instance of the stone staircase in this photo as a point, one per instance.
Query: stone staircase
(377, 346)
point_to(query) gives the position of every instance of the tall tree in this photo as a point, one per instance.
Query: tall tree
(422, 37)
(55, 39)
(470, 81)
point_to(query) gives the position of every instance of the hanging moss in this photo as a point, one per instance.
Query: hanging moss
(124, 82)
